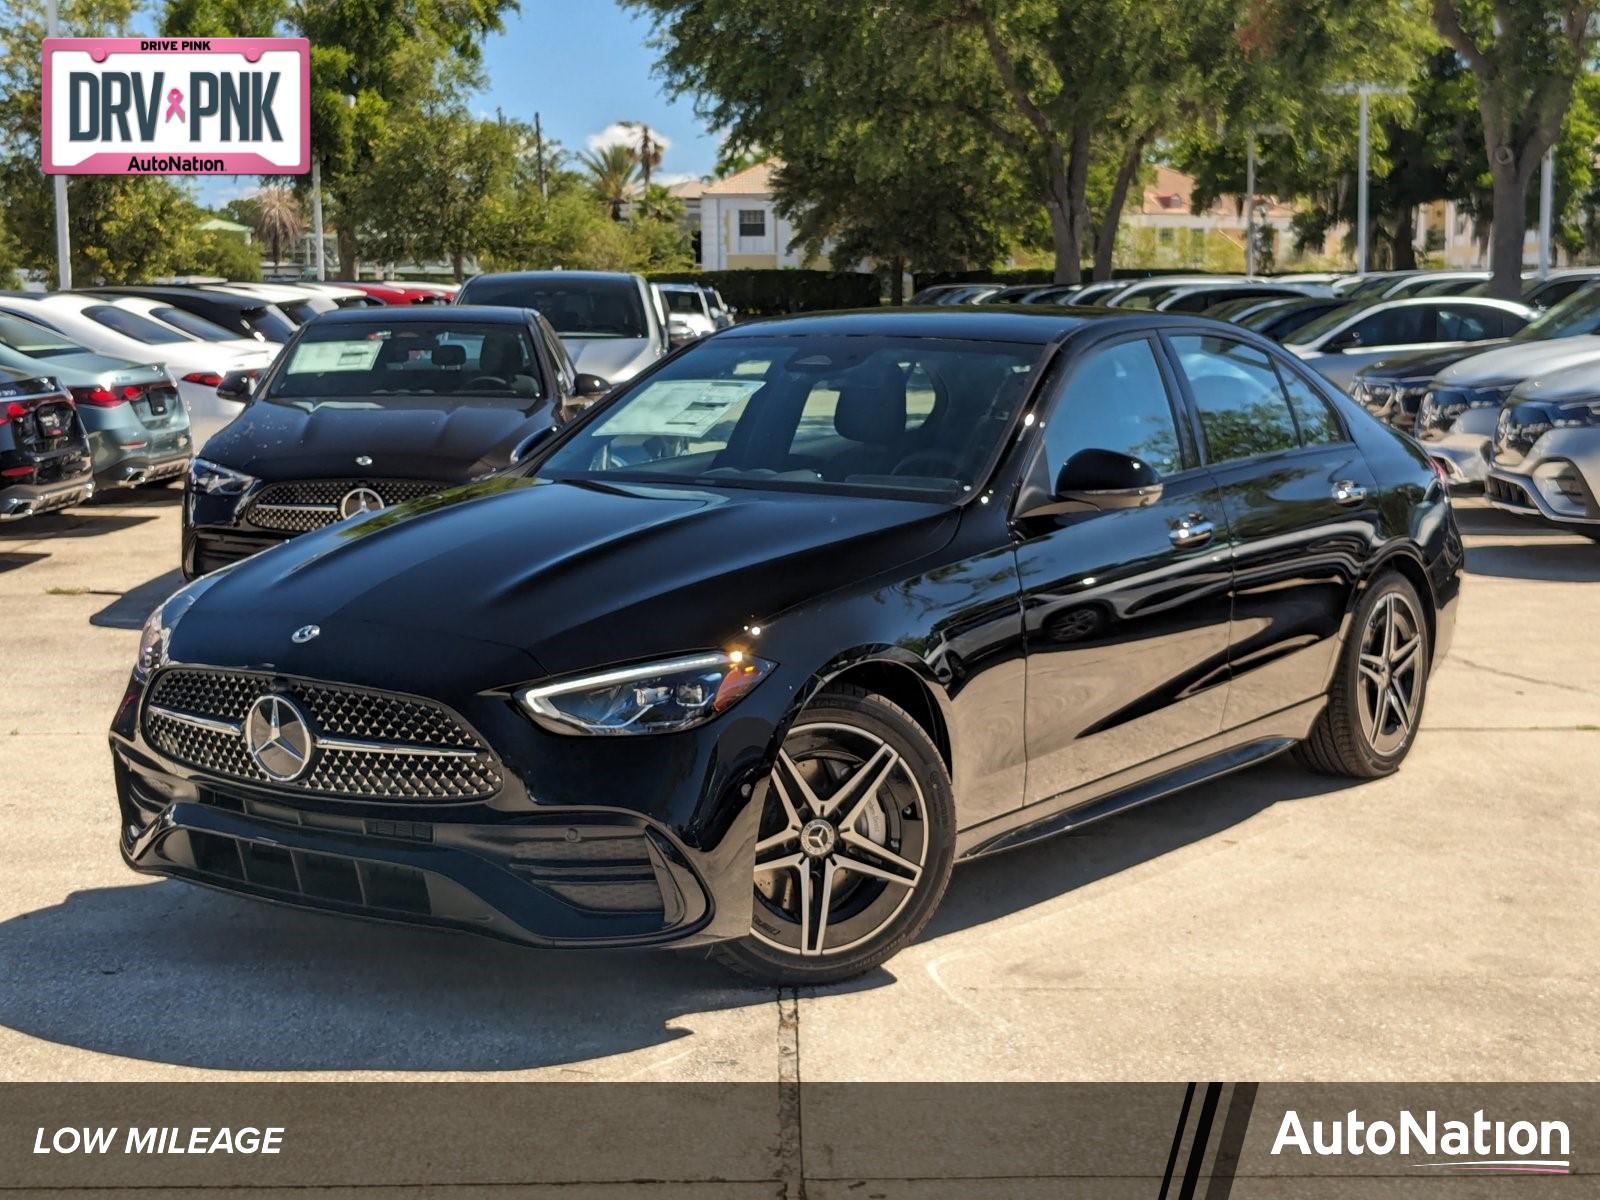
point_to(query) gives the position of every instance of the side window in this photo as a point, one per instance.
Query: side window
(1314, 415)
(1465, 324)
(1115, 400)
(558, 355)
(1396, 327)
(1504, 324)
(1243, 411)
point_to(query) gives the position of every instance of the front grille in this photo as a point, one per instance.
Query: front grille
(315, 878)
(307, 504)
(1507, 493)
(367, 745)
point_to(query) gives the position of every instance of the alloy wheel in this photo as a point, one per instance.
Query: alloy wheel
(1390, 679)
(843, 844)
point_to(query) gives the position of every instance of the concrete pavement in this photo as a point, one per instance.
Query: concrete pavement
(1440, 924)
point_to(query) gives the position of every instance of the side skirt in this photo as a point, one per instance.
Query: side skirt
(1207, 760)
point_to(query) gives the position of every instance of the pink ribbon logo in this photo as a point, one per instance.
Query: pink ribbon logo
(175, 105)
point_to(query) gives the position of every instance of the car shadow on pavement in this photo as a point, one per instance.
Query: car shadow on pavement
(149, 496)
(10, 561)
(129, 610)
(994, 887)
(171, 973)
(71, 523)
(176, 974)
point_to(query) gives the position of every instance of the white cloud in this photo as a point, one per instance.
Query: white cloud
(668, 178)
(618, 134)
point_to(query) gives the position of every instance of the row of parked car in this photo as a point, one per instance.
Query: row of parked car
(1504, 395)
(121, 386)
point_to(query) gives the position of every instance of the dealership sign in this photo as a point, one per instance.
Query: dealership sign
(177, 106)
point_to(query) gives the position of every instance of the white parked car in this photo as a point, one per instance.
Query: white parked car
(1147, 293)
(187, 322)
(1339, 343)
(1457, 416)
(687, 307)
(104, 327)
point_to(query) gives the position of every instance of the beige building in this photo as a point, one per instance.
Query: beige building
(1161, 222)
(740, 226)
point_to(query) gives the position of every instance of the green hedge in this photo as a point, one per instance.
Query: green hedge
(1036, 275)
(764, 293)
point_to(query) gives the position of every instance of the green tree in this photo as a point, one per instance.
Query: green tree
(613, 175)
(1526, 57)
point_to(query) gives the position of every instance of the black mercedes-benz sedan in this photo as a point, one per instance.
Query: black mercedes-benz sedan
(752, 652)
(369, 407)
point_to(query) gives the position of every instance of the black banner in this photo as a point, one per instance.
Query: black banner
(1194, 1141)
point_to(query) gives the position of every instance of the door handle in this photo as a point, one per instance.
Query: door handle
(1191, 530)
(1348, 491)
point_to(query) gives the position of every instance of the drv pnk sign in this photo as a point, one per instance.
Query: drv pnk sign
(177, 106)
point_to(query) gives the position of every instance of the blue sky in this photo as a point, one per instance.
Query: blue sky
(583, 66)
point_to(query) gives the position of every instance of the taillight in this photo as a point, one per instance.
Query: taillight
(204, 378)
(13, 412)
(102, 397)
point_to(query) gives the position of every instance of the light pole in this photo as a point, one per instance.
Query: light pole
(316, 217)
(1547, 203)
(1250, 194)
(59, 184)
(1363, 92)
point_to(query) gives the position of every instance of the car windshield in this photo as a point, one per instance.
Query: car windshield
(269, 323)
(575, 307)
(132, 325)
(862, 415)
(1317, 326)
(1576, 315)
(348, 365)
(206, 331)
(34, 340)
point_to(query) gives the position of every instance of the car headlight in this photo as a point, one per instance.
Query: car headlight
(217, 480)
(659, 697)
(157, 631)
(1441, 406)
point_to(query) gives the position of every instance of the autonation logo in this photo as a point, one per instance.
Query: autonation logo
(1478, 1145)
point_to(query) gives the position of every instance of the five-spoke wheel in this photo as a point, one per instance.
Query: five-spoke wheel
(855, 842)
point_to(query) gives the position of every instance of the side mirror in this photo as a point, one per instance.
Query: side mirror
(590, 387)
(1107, 479)
(680, 333)
(238, 386)
(1349, 340)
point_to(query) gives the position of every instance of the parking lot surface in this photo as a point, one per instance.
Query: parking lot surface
(1440, 924)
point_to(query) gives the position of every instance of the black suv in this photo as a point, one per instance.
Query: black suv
(369, 407)
(44, 451)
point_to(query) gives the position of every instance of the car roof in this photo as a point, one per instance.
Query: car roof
(400, 314)
(556, 275)
(238, 299)
(1512, 306)
(1037, 324)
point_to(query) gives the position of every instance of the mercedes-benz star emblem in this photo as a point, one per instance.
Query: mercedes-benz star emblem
(360, 500)
(304, 634)
(278, 738)
(363, 460)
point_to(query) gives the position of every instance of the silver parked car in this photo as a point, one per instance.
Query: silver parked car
(608, 321)
(1545, 460)
(1339, 343)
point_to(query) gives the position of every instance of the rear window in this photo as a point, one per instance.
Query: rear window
(35, 341)
(574, 307)
(269, 323)
(132, 325)
(194, 326)
(683, 302)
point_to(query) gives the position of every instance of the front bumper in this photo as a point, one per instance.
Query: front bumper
(1464, 456)
(582, 843)
(1516, 492)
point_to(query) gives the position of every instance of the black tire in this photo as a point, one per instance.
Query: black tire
(1342, 742)
(915, 815)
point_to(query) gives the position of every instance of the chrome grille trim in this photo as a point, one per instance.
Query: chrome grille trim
(172, 714)
(304, 505)
(423, 752)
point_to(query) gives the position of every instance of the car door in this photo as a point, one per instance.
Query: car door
(1298, 502)
(1125, 611)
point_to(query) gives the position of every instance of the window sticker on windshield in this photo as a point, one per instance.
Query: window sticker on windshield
(312, 357)
(679, 408)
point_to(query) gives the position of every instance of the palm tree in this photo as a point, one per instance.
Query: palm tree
(612, 175)
(648, 151)
(278, 218)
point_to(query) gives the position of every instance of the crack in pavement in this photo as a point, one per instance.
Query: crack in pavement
(1565, 687)
(791, 1142)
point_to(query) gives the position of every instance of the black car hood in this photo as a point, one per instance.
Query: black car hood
(276, 441)
(1418, 363)
(576, 574)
